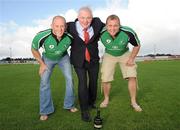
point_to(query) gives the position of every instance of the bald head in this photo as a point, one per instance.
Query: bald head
(57, 18)
(58, 26)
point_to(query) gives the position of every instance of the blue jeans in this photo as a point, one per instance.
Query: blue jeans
(46, 102)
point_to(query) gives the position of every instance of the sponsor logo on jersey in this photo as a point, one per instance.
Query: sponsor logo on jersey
(57, 52)
(114, 47)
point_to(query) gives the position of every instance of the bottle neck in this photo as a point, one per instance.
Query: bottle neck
(98, 113)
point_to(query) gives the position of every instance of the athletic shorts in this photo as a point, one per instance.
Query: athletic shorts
(109, 64)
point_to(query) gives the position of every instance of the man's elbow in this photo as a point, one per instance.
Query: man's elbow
(138, 46)
(34, 50)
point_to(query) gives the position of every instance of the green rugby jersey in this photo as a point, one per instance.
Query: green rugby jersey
(119, 45)
(52, 47)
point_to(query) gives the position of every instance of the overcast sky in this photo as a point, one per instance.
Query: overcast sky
(156, 22)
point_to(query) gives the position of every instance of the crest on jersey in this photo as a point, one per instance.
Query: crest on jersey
(108, 41)
(51, 46)
(57, 52)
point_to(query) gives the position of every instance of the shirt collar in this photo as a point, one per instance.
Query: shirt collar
(80, 28)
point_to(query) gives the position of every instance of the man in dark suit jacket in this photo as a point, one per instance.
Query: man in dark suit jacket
(84, 57)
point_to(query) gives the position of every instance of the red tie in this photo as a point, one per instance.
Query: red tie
(86, 39)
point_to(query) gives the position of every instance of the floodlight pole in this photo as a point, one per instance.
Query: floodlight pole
(154, 50)
(10, 52)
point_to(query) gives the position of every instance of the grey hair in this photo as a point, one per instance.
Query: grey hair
(85, 8)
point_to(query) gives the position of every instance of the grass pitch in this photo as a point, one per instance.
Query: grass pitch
(158, 94)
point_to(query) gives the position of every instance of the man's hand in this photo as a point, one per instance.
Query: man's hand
(42, 68)
(130, 62)
(37, 55)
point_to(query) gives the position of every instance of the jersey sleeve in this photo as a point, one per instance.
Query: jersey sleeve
(38, 39)
(133, 39)
(35, 42)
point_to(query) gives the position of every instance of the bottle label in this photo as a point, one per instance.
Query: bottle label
(97, 126)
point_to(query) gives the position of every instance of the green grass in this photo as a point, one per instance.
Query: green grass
(159, 96)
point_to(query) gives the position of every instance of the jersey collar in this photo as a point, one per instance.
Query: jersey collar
(55, 37)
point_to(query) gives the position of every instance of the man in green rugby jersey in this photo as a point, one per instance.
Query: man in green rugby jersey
(115, 39)
(55, 43)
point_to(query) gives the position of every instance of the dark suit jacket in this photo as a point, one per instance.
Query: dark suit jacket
(78, 46)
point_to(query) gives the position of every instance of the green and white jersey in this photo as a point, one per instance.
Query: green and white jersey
(119, 45)
(52, 47)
